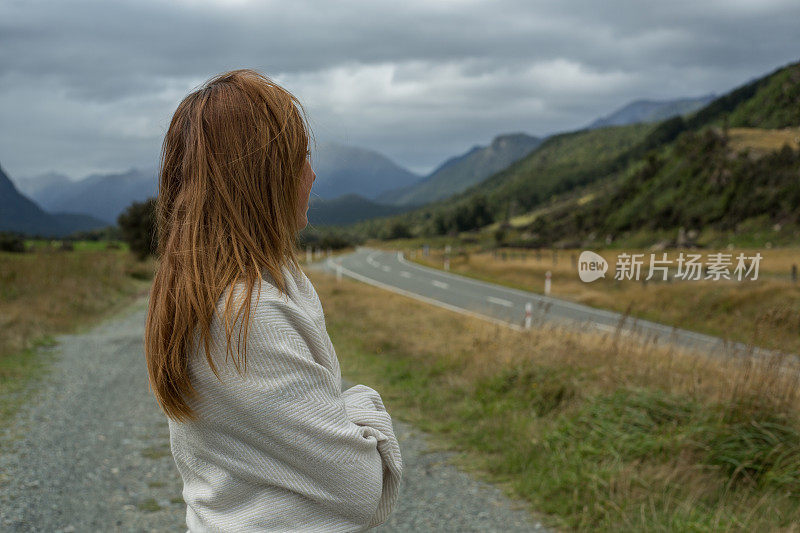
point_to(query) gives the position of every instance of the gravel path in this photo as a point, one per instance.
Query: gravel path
(90, 452)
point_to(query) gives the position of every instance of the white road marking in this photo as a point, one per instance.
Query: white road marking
(405, 274)
(500, 301)
(431, 301)
(386, 268)
(440, 284)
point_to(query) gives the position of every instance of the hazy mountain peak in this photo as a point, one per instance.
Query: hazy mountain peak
(19, 213)
(460, 172)
(644, 110)
(343, 169)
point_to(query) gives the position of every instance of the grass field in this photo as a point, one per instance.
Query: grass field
(598, 435)
(595, 433)
(40, 244)
(764, 312)
(46, 292)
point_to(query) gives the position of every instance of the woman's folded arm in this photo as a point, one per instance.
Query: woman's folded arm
(365, 408)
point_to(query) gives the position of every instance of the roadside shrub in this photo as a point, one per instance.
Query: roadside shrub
(137, 224)
(11, 242)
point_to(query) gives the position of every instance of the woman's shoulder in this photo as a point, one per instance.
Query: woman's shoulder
(298, 294)
(275, 316)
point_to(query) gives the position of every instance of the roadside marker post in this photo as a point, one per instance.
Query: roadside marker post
(547, 277)
(528, 314)
(446, 263)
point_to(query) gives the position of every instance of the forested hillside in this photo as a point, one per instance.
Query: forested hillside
(696, 172)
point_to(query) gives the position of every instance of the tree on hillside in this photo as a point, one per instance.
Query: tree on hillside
(398, 229)
(138, 227)
(475, 214)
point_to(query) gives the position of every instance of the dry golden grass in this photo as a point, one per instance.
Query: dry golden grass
(762, 140)
(49, 292)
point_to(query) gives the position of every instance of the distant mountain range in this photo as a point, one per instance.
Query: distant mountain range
(20, 214)
(103, 196)
(341, 171)
(344, 170)
(651, 111)
(462, 171)
(31, 186)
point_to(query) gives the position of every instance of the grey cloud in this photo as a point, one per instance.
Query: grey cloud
(465, 71)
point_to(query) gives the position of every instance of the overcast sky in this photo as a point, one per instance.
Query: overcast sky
(89, 86)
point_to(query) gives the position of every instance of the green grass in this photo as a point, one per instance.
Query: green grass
(78, 245)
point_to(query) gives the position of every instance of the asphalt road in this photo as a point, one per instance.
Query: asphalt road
(504, 305)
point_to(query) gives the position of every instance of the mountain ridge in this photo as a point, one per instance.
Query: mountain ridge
(18, 213)
(462, 171)
(647, 110)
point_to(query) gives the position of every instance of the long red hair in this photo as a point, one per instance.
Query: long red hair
(227, 208)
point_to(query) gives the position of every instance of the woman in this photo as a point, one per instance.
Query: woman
(267, 441)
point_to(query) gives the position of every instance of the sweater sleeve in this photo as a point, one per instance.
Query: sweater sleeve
(336, 449)
(365, 408)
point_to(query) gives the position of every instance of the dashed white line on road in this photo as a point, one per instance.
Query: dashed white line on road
(386, 268)
(500, 301)
(440, 284)
(405, 274)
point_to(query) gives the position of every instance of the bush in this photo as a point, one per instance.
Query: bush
(398, 230)
(326, 238)
(11, 242)
(138, 227)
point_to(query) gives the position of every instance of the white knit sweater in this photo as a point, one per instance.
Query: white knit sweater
(282, 447)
